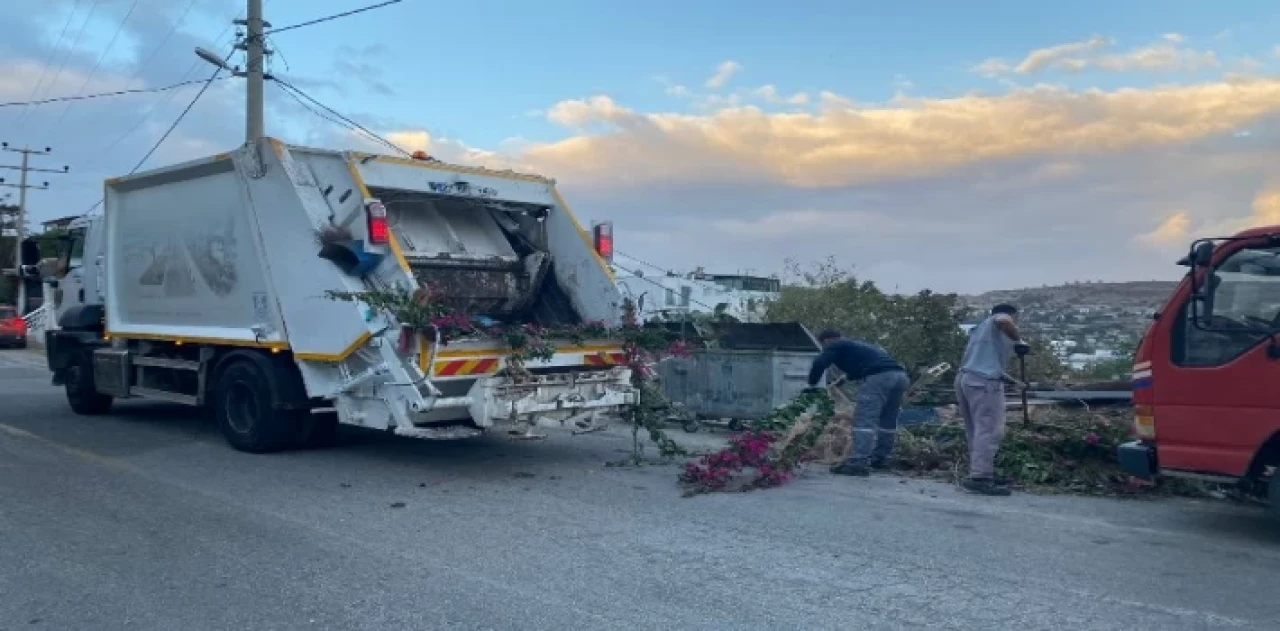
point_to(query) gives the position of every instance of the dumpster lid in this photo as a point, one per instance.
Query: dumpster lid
(775, 336)
(779, 336)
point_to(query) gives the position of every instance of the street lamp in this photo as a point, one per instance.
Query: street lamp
(214, 59)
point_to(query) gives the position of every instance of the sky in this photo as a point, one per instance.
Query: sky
(941, 145)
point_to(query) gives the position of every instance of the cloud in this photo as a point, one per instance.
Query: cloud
(724, 72)
(580, 113)
(364, 65)
(845, 144)
(1044, 58)
(1178, 229)
(1061, 179)
(1264, 211)
(771, 95)
(1168, 54)
(1173, 230)
(1162, 57)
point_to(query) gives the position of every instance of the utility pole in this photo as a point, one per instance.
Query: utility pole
(254, 46)
(21, 228)
(255, 54)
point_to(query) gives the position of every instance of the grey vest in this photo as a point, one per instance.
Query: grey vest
(988, 352)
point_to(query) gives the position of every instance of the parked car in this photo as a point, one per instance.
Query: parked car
(13, 329)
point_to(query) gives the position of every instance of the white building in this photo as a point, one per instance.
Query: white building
(1079, 361)
(744, 297)
(1062, 348)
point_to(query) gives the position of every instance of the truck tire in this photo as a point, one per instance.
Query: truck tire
(321, 431)
(244, 410)
(82, 394)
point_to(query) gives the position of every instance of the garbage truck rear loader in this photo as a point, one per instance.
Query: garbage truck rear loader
(212, 283)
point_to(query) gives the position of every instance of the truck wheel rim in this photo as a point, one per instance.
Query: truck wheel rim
(242, 408)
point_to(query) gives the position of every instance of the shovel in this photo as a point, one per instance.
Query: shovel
(1022, 350)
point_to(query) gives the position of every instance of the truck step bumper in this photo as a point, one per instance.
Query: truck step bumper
(1138, 459)
(550, 399)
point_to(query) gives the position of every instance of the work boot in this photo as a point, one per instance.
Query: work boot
(880, 464)
(856, 470)
(984, 486)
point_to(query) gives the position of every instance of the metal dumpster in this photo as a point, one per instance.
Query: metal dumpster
(745, 372)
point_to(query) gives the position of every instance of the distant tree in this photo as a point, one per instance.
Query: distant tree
(920, 329)
(8, 244)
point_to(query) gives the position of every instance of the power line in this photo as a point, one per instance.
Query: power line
(101, 95)
(75, 43)
(142, 120)
(98, 64)
(208, 82)
(290, 87)
(331, 17)
(57, 47)
(316, 112)
(173, 28)
(655, 283)
(642, 262)
(340, 123)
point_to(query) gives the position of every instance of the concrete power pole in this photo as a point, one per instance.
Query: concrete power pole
(255, 55)
(254, 46)
(21, 227)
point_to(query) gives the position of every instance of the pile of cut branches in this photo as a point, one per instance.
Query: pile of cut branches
(1063, 450)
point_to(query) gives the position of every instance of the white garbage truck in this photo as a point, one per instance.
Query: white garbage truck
(212, 283)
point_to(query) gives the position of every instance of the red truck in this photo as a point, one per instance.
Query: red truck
(1206, 376)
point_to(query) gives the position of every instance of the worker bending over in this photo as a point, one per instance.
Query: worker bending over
(877, 401)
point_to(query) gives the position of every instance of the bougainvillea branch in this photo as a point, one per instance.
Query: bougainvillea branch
(757, 452)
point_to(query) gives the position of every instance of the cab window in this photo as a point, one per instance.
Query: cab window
(1245, 306)
(71, 251)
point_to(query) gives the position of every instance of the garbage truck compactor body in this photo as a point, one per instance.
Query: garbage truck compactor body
(204, 284)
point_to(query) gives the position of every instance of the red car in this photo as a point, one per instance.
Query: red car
(13, 329)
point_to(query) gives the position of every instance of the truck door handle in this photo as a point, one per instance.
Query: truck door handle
(81, 295)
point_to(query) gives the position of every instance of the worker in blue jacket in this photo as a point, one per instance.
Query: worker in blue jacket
(878, 400)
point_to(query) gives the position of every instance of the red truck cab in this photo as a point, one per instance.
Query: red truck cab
(1206, 376)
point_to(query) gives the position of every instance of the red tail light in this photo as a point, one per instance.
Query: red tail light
(604, 239)
(379, 231)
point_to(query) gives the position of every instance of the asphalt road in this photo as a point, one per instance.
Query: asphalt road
(146, 519)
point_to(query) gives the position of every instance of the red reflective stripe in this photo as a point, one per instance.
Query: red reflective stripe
(450, 369)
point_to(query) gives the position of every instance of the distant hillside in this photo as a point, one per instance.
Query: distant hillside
(1139, 294)
(1092, 315)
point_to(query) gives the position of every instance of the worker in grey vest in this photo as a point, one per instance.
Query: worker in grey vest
(980, 395)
